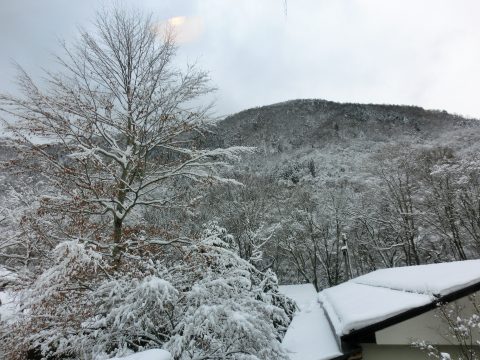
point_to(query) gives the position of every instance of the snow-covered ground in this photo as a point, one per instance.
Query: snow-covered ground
(152, 354)
(309, 336)
(7, 306)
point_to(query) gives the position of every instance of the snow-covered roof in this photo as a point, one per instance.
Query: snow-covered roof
(382, 294)
(309, 336)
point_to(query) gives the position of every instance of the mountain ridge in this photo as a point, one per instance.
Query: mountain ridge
(300, 122)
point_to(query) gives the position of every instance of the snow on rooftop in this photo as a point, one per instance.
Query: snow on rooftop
(352, 306)
(434, 279)
(302, 294)
(309, 336)
(381, 294)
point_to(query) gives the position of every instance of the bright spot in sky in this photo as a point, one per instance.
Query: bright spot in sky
(177, 20)
(185, 29)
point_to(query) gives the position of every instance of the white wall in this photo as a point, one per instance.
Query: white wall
(402, 352)
(430, 327)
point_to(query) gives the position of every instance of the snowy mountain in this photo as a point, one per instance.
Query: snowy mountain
(317, 123)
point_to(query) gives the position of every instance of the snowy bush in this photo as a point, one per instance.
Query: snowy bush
(56, 303)
(232, 311)
(210, 303)
(132, 313)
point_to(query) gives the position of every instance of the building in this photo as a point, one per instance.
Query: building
(379, 315)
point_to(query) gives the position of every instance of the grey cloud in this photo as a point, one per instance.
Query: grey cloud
(410, 52)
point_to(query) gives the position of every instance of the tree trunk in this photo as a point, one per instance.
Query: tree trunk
(117, 239)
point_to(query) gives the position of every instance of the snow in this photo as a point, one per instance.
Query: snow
(6, 276)
(381, 294)
(309, 336)
(7, 306)
(152, 354)
(303, 294)
(434, 279)
(352, 306)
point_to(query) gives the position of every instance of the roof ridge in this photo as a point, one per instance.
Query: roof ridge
(393, 288)
(329, 310)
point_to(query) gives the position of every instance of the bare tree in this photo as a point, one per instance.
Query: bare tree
(443, 208)
(122, 118)
(399, 180)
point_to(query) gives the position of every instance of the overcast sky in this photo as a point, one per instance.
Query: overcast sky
(416, 52)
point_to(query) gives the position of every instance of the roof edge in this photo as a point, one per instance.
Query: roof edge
(367, 334)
